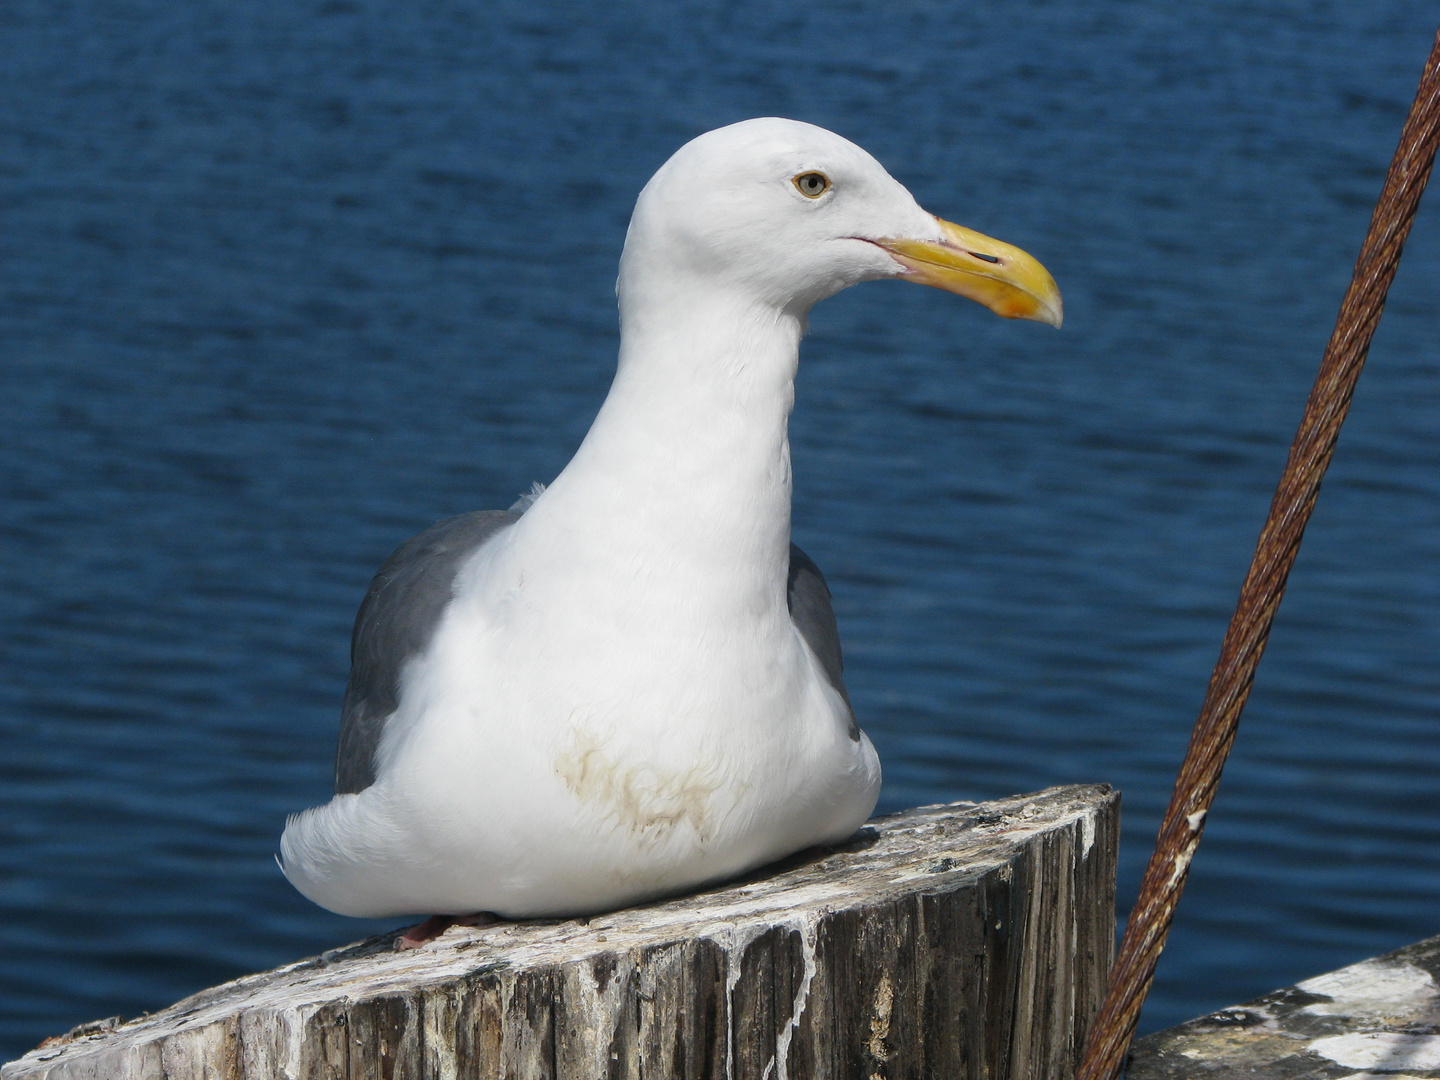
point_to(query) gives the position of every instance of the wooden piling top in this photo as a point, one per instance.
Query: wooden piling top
(1378, 1018)
(959, 940)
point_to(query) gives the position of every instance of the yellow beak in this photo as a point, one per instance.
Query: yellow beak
(1002, 277)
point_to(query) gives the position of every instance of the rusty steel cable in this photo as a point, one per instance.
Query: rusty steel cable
(1149, 922)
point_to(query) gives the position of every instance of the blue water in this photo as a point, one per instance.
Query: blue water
(283, 283)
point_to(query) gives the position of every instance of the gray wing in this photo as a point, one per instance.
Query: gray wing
(397, 619)
(809, 599)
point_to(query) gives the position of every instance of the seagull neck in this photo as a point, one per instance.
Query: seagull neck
(728, 359)
(688, 462)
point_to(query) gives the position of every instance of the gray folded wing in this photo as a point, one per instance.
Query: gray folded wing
(397, 621)
(810, 611)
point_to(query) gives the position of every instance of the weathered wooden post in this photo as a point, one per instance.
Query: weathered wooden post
(959, 941)
(1377, 1018)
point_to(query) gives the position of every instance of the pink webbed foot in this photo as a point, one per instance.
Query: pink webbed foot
(427, 931)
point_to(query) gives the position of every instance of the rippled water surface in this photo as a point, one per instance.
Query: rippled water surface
(283, 283)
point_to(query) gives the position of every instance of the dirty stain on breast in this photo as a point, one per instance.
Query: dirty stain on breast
(651, 801)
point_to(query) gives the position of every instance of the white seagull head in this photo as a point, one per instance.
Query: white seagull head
(782, 214)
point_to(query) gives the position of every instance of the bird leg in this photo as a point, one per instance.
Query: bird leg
(427, 931)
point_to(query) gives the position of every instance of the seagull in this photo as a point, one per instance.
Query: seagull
(629, 684)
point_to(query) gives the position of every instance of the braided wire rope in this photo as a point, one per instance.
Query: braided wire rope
(1329, 401)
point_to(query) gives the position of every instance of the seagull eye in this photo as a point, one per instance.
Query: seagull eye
(812, 184)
